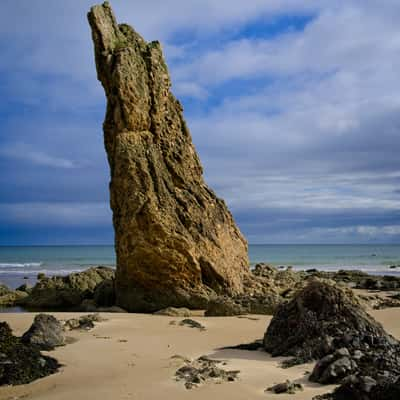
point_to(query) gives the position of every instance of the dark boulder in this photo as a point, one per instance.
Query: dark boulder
(45, 333)
(21, 363)
(321, 318)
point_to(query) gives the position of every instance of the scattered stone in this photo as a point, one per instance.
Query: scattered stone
(192, 324)
(194, 373)
(20, 362)
(176, 242)
(85, 322)
(174, 312)
(286, 387)
(46, 333)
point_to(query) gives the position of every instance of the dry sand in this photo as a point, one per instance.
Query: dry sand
(129, 357)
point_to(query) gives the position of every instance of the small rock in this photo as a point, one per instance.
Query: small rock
(192, 324)
(285, 387)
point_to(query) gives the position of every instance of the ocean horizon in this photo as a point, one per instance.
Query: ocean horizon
(19, 264)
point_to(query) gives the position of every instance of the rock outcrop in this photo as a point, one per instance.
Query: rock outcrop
(68, 292)
(176, 242)
(9, 297)
(327, 323)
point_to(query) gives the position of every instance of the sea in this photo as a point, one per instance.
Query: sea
(21, 264)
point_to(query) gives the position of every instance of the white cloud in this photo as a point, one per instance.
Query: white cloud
(23, 152)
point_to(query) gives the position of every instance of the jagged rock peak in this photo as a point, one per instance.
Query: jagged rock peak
(176, 242)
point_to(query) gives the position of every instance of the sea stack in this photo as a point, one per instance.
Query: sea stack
(176, 242)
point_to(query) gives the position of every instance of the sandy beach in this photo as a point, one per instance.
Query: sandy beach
(129, 356)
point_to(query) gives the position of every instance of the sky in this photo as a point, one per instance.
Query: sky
(293, 106)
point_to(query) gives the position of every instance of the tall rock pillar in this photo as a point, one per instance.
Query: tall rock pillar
(176, 242)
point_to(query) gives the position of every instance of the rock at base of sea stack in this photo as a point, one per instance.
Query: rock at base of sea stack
(176, 242)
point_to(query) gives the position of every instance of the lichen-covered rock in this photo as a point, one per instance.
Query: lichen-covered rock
(67, 292)
(175, 240)
(21, 363)
(45, 333)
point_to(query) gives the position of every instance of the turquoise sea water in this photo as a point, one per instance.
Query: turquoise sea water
(17, 263)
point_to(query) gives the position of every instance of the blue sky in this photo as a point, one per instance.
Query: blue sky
(294, 107)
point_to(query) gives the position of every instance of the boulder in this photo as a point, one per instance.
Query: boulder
(327, 322)
(20, 362)
(84, 322)
(67, 292)
(321, 318)
(175, 240)
(45, 333)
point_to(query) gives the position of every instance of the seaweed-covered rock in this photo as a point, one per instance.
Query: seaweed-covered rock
(21, 363)
(45, 333)
(321, 318)
(67, 292)
(324, 321)
(201, 370)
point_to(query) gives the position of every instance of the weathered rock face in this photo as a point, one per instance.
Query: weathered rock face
(176, 242)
